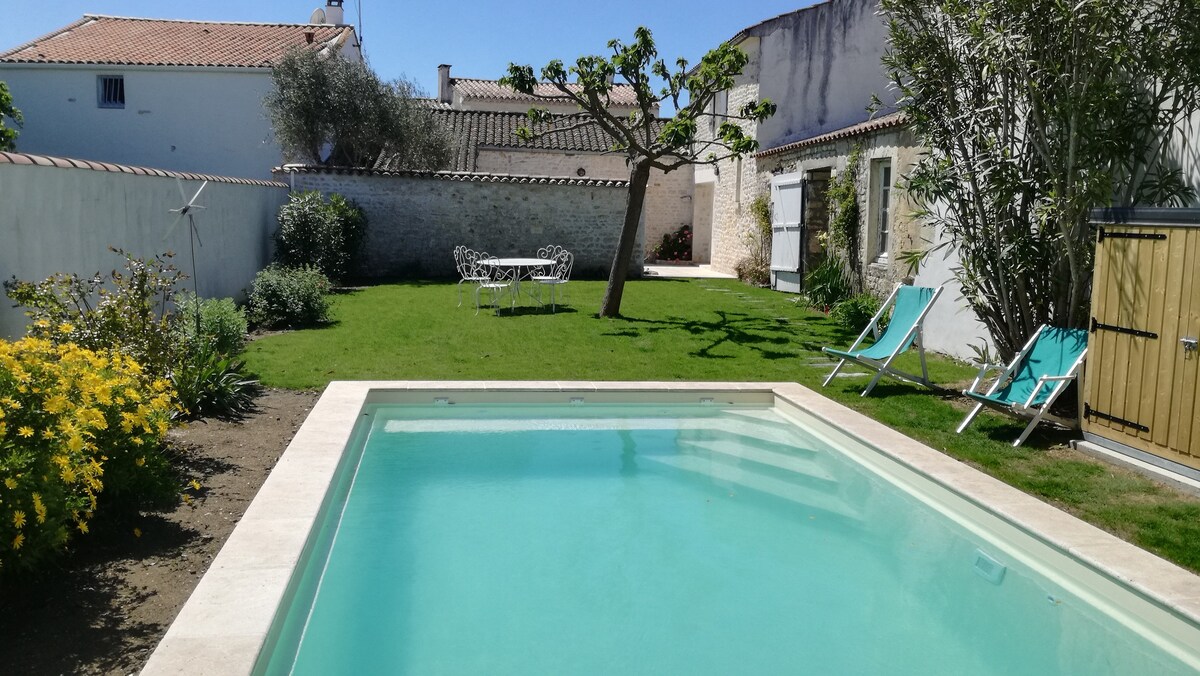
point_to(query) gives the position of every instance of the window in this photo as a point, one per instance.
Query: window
(720, 108)
(110, 91)
(883, 195)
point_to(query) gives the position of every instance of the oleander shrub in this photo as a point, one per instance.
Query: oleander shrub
(855, 312)
(321, 234)
(222, 324)
(128, 310)
(289, 297)
(80, 430)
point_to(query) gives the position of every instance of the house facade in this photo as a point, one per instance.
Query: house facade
(821, 67)
(177, 95)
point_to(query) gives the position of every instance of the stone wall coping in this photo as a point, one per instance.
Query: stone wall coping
(463, 176)
(70, 163)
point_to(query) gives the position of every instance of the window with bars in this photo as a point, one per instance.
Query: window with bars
(110, 91)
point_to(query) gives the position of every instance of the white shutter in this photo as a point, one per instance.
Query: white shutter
(787, 222)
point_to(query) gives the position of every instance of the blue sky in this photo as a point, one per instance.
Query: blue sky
(405, 38)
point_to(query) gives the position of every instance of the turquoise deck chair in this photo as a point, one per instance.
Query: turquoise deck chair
(1030, 384)
(912, 303)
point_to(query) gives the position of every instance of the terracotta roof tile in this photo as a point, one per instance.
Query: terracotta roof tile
(621, 94)
(97, 39)
(474, 129)
(883, 122)
(69, 163)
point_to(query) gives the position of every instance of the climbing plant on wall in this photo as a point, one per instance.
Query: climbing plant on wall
(842, 197)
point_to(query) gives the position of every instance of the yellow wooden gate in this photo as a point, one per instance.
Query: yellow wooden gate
(1142, 387)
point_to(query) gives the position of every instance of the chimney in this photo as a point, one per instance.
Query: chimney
(445, 95)
(333, 12)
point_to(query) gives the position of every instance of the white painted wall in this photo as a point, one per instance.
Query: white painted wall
(199, 120)
(951, 326)
(63, 220)
(820, 66)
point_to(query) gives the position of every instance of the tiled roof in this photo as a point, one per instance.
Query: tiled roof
(883, 122)
(97, 39)
(621, 94)
(473, 129)
(67, 163)
(461, 176)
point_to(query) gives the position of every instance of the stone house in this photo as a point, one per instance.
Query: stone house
(475, 94)
(482, 118)
(886, 228)
(821, 66)
(177, 95)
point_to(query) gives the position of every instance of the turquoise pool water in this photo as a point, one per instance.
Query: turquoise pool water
(605, 539)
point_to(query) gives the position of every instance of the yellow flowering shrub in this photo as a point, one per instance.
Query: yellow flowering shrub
(74, 423)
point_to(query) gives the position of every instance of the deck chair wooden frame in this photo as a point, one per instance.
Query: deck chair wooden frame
(1030, 407)
(881, 363)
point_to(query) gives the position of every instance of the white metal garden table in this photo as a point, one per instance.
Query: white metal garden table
(522, 267)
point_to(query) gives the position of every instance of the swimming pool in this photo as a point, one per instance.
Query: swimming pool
(739, 535)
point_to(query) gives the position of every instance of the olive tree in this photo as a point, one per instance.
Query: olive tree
(646, 142)
(1033, 114)
(8, 135)
(330, 110)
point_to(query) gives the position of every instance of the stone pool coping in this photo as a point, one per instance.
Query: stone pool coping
(225, 622)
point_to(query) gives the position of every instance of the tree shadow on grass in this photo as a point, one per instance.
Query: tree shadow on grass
(752, 332)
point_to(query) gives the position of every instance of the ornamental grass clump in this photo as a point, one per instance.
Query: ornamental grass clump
(80, 430)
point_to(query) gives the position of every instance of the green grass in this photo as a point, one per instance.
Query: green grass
(708, 330)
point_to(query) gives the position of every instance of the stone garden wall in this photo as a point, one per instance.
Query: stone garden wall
(415, 219)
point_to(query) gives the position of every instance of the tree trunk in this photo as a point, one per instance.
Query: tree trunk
(639, 176)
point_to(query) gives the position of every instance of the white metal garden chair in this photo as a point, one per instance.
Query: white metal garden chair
(557, 276)
(497, 281)
(466, 262)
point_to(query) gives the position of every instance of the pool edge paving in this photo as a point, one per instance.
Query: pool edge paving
(225, 623)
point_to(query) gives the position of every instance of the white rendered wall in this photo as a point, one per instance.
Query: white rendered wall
(63, 220)
(951, 326)
(187, 119)
(820, 66)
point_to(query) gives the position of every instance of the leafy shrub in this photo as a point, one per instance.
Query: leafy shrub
(827, 284)
(675, 246)
(131, 310)
(222, 324)
(210, 383)
(282, 296)
(753, 271)
(855, 312)
(324, 235)
(75, 422)
(756, 268)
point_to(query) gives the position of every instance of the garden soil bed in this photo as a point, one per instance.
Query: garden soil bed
(104, 607)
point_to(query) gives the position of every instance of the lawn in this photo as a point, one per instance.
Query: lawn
(708, 330)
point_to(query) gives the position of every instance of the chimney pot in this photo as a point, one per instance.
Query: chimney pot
(308, 37)
(445, 94)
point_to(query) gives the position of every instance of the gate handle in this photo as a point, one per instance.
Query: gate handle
(1190, 344)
